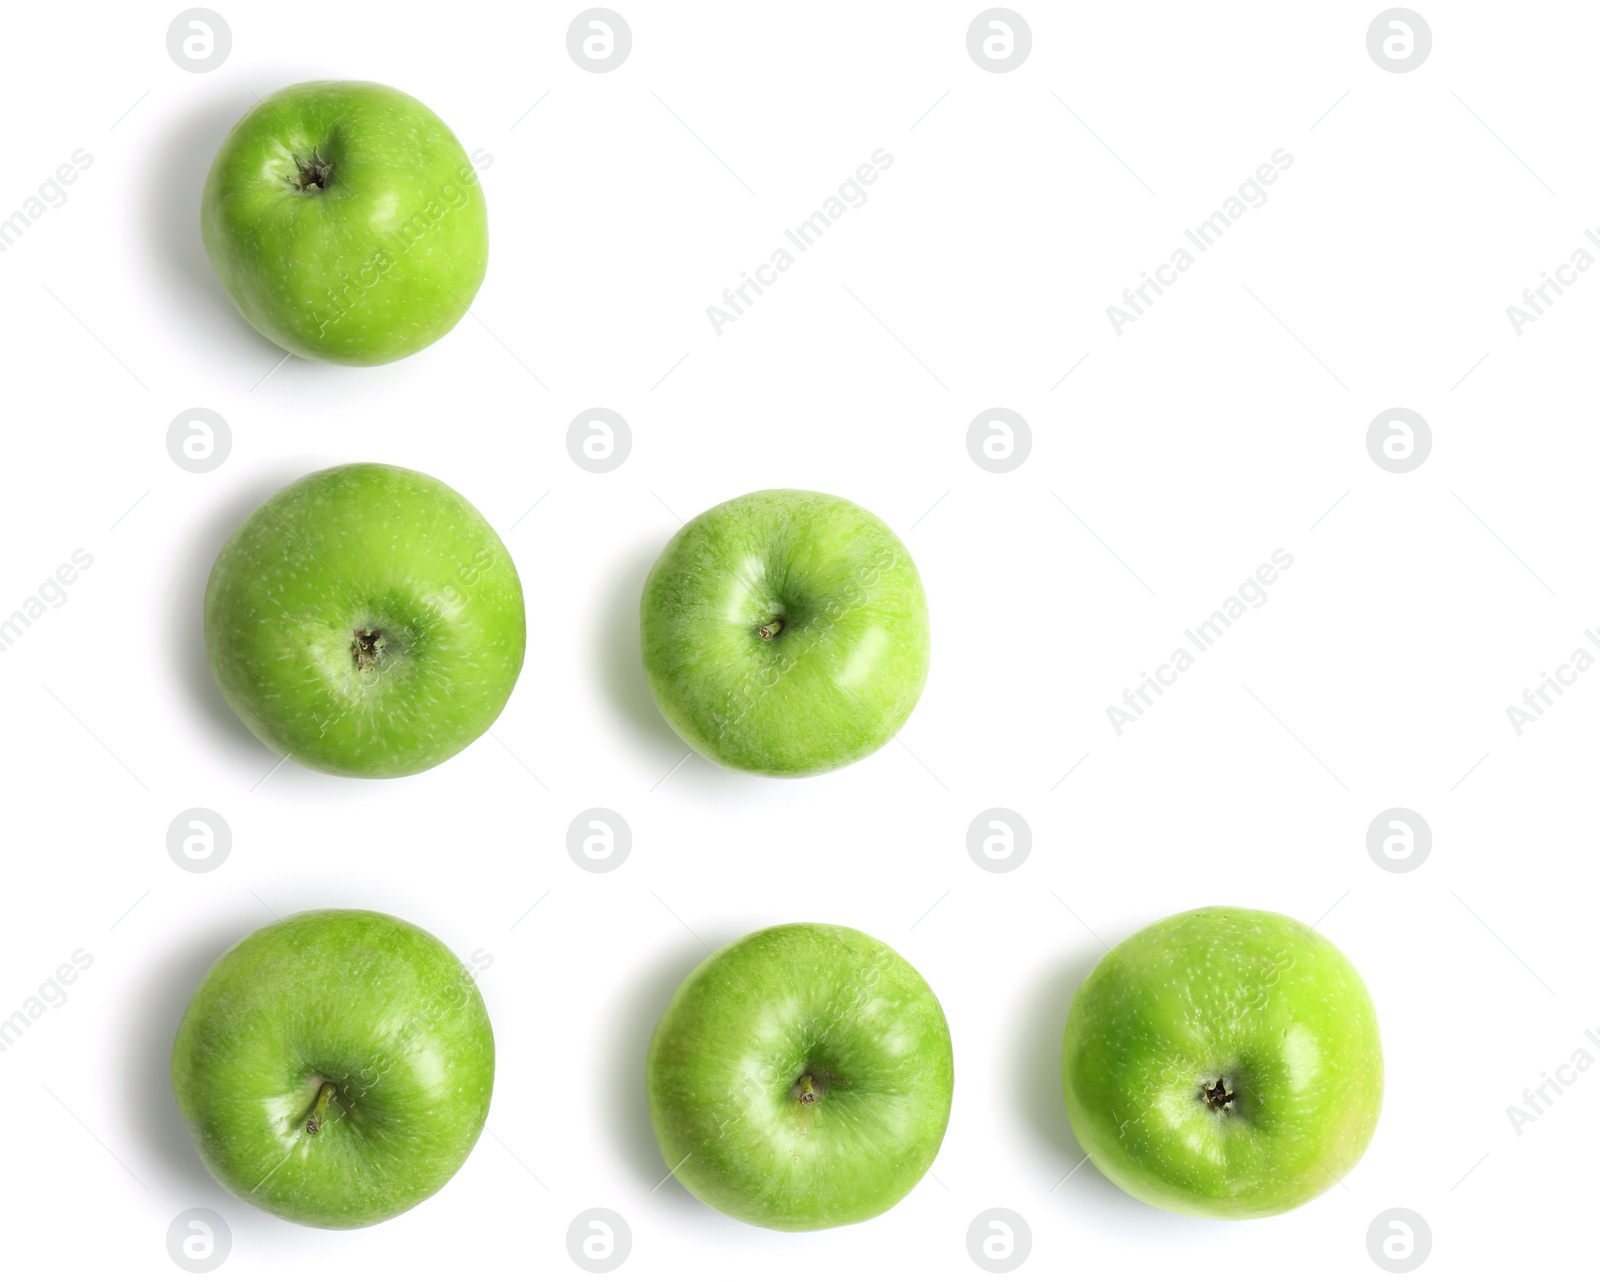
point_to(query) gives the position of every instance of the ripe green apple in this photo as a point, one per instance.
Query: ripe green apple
(346, 222)
(335, 1068)
(785, 633)
(1223, 1062)
(365, 620)
(801, 1078)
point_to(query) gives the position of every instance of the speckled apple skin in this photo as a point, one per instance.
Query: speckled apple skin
(375, 266)
(354, 549)
(1254, 998)
(747, 1023)
(843, 674)
(376, 1006)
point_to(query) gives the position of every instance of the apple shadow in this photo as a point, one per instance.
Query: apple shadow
(174, 180)
(635, 1018)
(150, 1029)
(186, 612)
(620, 668)
(1036, 1085)
(1036, 1051)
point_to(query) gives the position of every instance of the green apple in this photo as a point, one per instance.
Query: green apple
(785, 633)
(346, 222)
(365, 620)
(801, 1078)
(1223, 1062)
(335, 1068)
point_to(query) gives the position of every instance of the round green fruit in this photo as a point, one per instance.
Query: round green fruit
(1223, 1062)
(785, 633)
(346, 222)
(801, 1078)
(366, 620)
(335, 1068)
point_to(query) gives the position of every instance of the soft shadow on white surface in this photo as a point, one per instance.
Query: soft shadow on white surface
(1036, 1086)
(634, 1020)
(175, 177)
(186, 622)
(150, 1029)
(621, 669)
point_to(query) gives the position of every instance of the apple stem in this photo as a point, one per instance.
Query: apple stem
(808, 1089)
(769, 630)
(314, 173)
(314, 1122)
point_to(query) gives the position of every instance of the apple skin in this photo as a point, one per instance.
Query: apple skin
(1253, 998)
(839, 677)
(725, 1067)
(371, 1004)
(381, 253)
(366, 620)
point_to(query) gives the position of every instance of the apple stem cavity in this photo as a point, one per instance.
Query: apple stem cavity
(770, 629)
(314, 173)
(1219, 1097)
(368, 648)
(319, 1111)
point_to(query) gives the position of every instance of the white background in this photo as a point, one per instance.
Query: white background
(1225, 423)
